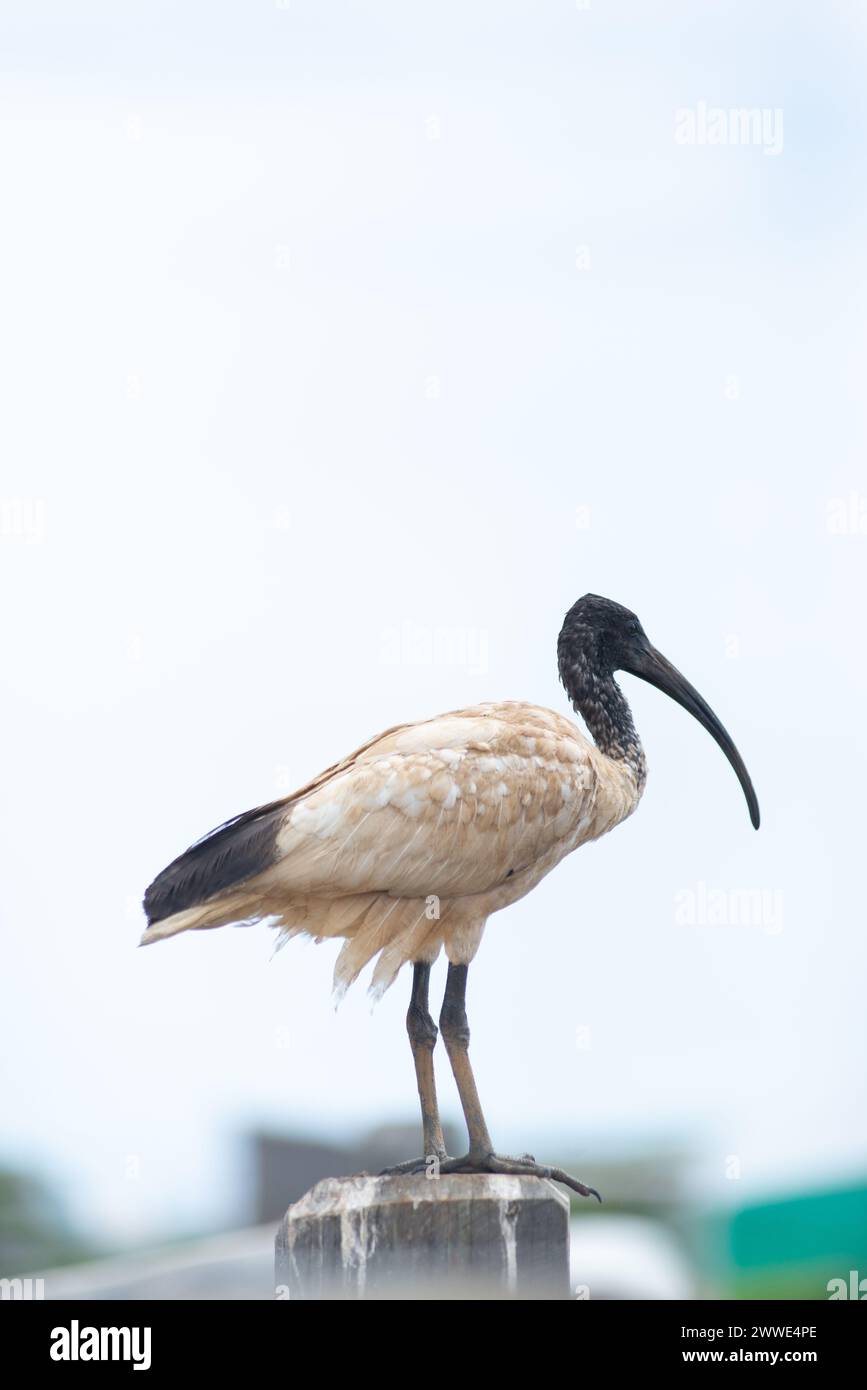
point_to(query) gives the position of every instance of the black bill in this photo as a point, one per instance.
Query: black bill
(651, 666)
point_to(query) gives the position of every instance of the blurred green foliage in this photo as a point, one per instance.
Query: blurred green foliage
(35, 1232)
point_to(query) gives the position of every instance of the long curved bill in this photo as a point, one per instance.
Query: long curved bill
(652, 666)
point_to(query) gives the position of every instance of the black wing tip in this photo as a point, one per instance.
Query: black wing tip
(236, 851)
(158, 901)
(151, 905)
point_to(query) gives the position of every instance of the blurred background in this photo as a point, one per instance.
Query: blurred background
(344, 346)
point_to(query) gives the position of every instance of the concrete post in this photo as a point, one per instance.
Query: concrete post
(456, 1236)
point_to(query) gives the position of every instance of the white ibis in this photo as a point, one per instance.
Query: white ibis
(413, 841)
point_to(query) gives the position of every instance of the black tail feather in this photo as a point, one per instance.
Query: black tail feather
(234, 852)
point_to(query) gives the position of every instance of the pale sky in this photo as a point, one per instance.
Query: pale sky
(323, 320)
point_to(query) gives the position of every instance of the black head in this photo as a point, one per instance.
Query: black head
(599, 637)
(601, 633)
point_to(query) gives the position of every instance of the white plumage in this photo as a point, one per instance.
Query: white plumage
(414, 840)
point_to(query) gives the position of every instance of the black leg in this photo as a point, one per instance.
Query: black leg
(456, 1036)
(422, 1039)
(481, 1157)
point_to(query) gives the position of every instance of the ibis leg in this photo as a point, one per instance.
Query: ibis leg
(422, 1039)
(456, 1036)
(481, 1157)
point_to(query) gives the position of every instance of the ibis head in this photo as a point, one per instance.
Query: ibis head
(600, 637)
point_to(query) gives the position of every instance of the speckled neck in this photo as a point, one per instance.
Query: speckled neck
(597, 697)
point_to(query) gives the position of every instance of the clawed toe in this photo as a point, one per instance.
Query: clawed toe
(415, 1165)
(517, 1167)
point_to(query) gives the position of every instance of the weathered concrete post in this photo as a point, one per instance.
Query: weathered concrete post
(456, 1236)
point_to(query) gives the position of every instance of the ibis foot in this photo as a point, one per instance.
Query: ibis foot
(433, 1162)
(526, 1166)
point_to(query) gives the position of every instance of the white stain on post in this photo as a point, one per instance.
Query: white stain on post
(509, 1232)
